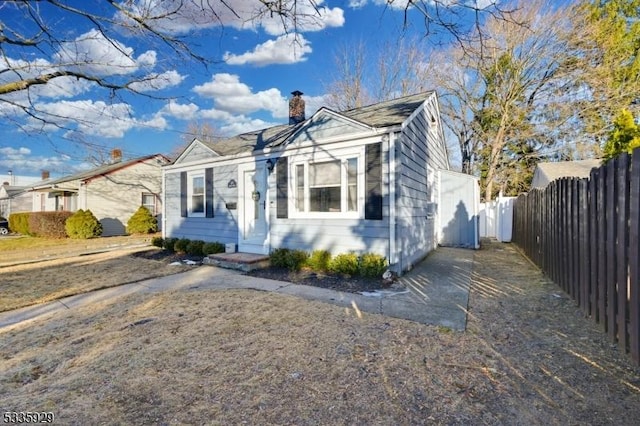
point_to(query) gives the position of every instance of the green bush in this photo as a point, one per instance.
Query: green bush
(82, 225)
(142, 222)
(19, 222)
(213, 248)
(157, 242)
(297, 259)
(194, 248)
(319, 260)
(48, 224)
(372, 265)
(181, 245)
(293, 260)
(169, 244)
(345, 263)
(278, 257)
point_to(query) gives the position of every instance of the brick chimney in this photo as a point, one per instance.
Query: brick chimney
(296, 108)
(116, 155)
(45, 174)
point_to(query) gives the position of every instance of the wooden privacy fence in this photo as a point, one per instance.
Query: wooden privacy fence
(583, 233)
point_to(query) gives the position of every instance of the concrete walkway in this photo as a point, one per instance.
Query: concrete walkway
(435, 292)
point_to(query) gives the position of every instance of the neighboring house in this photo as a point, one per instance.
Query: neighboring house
(112, 192)
(14, 199)
(363, 180)
(546, 172)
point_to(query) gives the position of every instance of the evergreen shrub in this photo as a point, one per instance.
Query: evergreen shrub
(213, 248)
(83, 225)
(142, 222)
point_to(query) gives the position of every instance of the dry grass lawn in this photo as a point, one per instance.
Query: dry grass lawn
(249, 357)
(31, 283)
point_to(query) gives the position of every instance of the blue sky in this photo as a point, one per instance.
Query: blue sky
(257, 65)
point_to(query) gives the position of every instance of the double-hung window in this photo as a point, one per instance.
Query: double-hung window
(149, 201)
(327, 187)
(196, 194)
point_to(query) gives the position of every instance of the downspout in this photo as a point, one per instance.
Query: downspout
(393, 250)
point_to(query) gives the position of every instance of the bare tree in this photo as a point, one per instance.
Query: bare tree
(501, 92)
(204, 131)
(366, 73)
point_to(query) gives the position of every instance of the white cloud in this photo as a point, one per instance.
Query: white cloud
(88, 117)
(160, 81)
(286, 49)
(216, 114)
(13, 153)
(310, 17)
(158, 122)
(232, 96)
(244, 124)
(21, 160)
(93, 53)
(239, 14)
(181, 111)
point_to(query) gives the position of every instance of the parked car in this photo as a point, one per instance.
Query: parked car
(4, 226)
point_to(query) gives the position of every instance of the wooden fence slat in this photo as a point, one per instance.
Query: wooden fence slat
(593, 245)
(602, 250)
(622, 210)
(584, 236)
(610, 207)
(634, 258)
(575, 239)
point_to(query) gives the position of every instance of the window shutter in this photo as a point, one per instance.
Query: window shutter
(208, 191)
(282, 184)
(373, 182)
(183, 194)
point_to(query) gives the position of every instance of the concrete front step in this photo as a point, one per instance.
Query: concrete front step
(239, 261)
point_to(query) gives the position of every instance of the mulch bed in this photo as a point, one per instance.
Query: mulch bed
(343, 283)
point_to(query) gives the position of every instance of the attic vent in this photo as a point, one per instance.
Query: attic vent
(432, 121)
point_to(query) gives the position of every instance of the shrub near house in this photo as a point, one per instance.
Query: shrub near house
(82, 225)
(142, 222)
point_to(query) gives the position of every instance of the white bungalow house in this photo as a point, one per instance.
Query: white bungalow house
(363, 180)
(113, 192)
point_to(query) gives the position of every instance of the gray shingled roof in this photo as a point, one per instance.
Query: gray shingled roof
(546, 172)
(98, 171)
(383, 114)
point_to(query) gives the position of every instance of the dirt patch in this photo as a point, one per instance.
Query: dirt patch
(241, 356)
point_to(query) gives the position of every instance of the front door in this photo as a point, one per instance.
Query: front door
(252, 209)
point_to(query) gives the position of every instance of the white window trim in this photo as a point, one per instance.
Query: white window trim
(190, 177)
(342, 155)
(154, 212)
